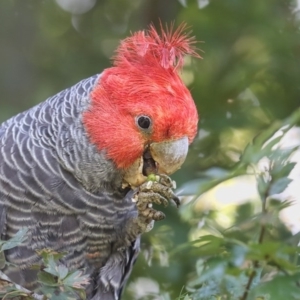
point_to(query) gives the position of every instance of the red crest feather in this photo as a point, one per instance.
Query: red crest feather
(148, 47)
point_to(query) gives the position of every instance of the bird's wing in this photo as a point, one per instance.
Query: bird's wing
(39, 191)
(36, 192)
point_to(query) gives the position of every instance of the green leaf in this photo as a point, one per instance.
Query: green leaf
(62, 271)
(202, 246)
(273, 253)
(263, 143)
(280, 171)
(238, 254)
(215, 268)
(279, 186)
(208, 183)
(208, 291)
(12, 293)
(260, 145)
(16, 240)
(281, 156)
(52, 267)
(262, 186)
(244, 212)
(47, 279)
(279, 205)
(234, 285)
(210, 245)
(268, 147)
(54, 293)
(279, 288)
(76, 280)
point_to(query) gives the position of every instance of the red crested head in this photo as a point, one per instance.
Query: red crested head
(141, 99)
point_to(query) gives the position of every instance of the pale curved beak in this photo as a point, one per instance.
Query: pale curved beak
(161, 158)
(169, 156)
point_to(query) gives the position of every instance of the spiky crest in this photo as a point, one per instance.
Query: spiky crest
(148, 47)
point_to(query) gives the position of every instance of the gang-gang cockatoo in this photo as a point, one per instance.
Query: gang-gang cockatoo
(74, 169)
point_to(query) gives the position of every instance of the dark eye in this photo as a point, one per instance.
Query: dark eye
(144, 122)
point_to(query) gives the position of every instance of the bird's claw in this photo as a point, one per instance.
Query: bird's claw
(158, 191)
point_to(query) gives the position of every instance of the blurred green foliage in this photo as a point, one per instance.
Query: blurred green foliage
(246, 83)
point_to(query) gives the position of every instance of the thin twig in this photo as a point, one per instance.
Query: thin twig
(251, 277)
(260, 240)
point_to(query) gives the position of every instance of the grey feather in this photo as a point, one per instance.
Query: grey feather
(68, 194)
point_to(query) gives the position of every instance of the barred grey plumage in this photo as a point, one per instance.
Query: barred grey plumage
(56, 183)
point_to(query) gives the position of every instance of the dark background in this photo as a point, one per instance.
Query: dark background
(249, 77)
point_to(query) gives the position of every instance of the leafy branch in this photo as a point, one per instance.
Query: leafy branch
(232, 264)
(56, 280)
(273, 180)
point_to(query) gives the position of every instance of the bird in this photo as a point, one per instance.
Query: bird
(74, 169)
